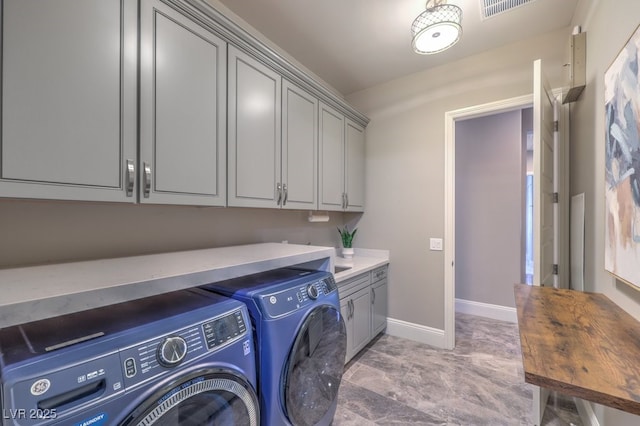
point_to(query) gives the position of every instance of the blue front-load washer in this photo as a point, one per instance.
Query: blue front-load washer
(301, 341)
(181, 358)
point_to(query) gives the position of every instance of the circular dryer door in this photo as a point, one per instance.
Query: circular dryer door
(209, 397)
(315, 365)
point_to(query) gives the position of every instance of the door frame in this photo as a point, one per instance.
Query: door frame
(450, 118)
(481, 110)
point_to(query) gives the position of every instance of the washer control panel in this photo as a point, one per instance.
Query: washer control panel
(220, 331)
(157, 355)
(289, 300)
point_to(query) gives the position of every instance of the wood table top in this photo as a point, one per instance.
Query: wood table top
(579, 344)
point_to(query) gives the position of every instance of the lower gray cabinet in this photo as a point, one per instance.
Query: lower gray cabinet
(355, 306)
(378, 301)
(345, 311)
(361, 312)
(363, 305)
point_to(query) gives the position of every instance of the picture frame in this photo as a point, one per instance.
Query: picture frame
(622, 163)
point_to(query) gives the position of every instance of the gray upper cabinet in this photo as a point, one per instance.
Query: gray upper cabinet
(299, 176)
(69, 99)
(182, 109)
(331, 174)
(342, 148)
(166, 102)
(254, 143)
(354, 141)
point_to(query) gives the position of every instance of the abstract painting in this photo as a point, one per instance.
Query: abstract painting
(622, 168)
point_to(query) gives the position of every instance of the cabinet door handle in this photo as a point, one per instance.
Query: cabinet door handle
(351, 308)
(279, 190)
(286, 194)
(146, 179)
(373, 293)
(130, 176)
(346, 200)
(343, 194)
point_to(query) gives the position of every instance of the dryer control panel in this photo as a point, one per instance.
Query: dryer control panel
(162, 353)
(282, 302)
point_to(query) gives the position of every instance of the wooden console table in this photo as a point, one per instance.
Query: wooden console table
(579, 344)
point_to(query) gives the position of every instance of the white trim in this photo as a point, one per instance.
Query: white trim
(487, 310)
(419, 333)
(450, 118)
(587, 415)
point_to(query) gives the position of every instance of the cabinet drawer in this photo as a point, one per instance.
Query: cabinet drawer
(379, 273)
(354, 284)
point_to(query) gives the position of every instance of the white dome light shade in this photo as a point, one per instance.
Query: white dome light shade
(437, 29)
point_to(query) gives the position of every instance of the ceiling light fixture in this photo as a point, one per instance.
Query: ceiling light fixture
(437, 28)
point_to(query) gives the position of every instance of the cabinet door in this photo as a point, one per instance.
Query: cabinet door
(299, 148)
(182, 109)
(68, 99)
(345, 311)
(331, 174)
(378, 307)
(361, 301)
(254, 92)
(354, 166)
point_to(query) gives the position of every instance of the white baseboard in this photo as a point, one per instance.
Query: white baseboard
(419, 333)
(497, 312)
(587, 415)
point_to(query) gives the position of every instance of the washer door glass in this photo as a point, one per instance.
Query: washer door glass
(315, 365)
(208, 398)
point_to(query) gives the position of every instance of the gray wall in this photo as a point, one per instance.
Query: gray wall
(36, 232)
(405, 160)
(608, 29)
(489, 208)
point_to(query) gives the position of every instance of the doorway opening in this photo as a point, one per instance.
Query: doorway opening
(451, 118)
(491, 250)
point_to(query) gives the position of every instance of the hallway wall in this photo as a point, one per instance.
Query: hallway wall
(489, 208)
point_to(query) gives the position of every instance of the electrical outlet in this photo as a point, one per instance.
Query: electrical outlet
(435, 244)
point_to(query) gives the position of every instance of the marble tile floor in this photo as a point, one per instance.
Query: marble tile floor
(395, 381)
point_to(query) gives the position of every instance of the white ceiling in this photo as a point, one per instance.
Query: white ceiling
(356, 44)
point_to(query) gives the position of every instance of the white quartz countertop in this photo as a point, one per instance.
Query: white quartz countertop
(364, 260)
(38, 292)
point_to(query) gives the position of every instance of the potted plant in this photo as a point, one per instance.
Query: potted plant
(347, 241)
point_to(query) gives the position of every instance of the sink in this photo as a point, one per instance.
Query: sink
(337, 269)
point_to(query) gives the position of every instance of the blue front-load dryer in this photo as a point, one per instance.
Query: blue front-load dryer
(301, 341)
(181, 358)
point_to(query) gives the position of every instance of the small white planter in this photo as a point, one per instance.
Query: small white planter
(347, 253)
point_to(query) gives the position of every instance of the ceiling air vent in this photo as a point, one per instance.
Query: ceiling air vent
(496, 7)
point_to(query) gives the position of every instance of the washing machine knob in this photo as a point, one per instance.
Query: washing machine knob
(312, 291)
(172, 351)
